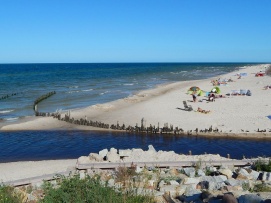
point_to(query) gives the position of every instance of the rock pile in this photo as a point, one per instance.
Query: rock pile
(185, 184)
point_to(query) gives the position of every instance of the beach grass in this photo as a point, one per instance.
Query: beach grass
(89, 189)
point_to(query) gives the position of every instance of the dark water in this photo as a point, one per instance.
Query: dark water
(42, 145)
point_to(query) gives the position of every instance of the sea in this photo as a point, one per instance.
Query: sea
(79, 85)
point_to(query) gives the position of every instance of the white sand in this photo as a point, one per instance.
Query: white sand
(232, 114)
(26, 169)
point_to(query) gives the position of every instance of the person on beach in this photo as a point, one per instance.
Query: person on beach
(194, 96)
(202, 111)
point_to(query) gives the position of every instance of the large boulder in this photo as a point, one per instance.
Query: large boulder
(190, 172)
(112, 156)
(103, 153)
(227, 172)
(83, 160)
(95, 157)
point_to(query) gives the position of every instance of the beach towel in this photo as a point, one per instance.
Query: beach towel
(234, 92)
(243, 74)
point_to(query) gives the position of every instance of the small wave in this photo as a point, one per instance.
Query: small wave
(6, 111)
(104, 92)
(12, 119)
(128, 84)
(73, 86)
(87, 90)
(70, 92)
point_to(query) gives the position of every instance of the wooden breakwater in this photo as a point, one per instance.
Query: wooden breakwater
(41, 98)
(9, 95)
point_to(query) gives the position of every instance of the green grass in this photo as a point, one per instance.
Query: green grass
(74, 190)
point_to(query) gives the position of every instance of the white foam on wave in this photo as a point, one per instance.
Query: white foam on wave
(128, 84)
(102, 93)
(6, 111)
(87, 90)
(12, 119)
(70, 92)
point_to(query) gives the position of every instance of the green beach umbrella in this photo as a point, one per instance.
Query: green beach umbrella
(215, 90)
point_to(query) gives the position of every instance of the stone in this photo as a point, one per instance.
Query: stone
(172, 189)
(173, 172)
(254, 174)
(111, 182)
(138, 169)
(227, 172)
(83, 160)
(244, 173)
(113, 150)
(229, 198)
(200, 172)
(173, 182)
(161, 183)
(103, 153)
(188, 181)
(95, 157)
(82, 175)
(125, 153)
(206, 196)
(233, 182)
(251, 198)
(203, 185)
(266, 176)
(151, 148)
(190, 172)
(112, 156)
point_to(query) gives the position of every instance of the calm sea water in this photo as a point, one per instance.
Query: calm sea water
(81, 85)
(33, 145)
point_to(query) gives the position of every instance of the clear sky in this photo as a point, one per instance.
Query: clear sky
(52, 31)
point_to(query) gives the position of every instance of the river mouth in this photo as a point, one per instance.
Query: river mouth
(62, 144)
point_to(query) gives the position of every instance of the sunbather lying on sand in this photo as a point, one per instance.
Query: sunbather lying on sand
(267, 87)
(202, 111)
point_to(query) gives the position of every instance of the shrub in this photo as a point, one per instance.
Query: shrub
(74, 189)
(7, 195)
(261, 188)
(261, 165)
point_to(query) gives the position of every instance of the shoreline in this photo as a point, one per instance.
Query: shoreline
(151, 101)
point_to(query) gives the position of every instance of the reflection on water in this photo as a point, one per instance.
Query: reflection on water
(39, 145)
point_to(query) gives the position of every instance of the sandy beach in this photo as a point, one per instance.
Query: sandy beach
(164, 104)
(234, 115)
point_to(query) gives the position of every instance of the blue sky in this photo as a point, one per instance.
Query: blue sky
(36, 31)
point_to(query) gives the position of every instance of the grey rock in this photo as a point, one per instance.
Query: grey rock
(151, 148)
(250, 198)
(112, 156)
(190, 172)
(103, 152)
(126, 152)
(111, 182)
(200, 172)
(173, 182)
(266, 176)
(233, 182)
(95, 157)
(254, 174)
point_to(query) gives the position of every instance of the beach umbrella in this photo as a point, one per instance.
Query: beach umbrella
(194, 88)
(215, 90)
